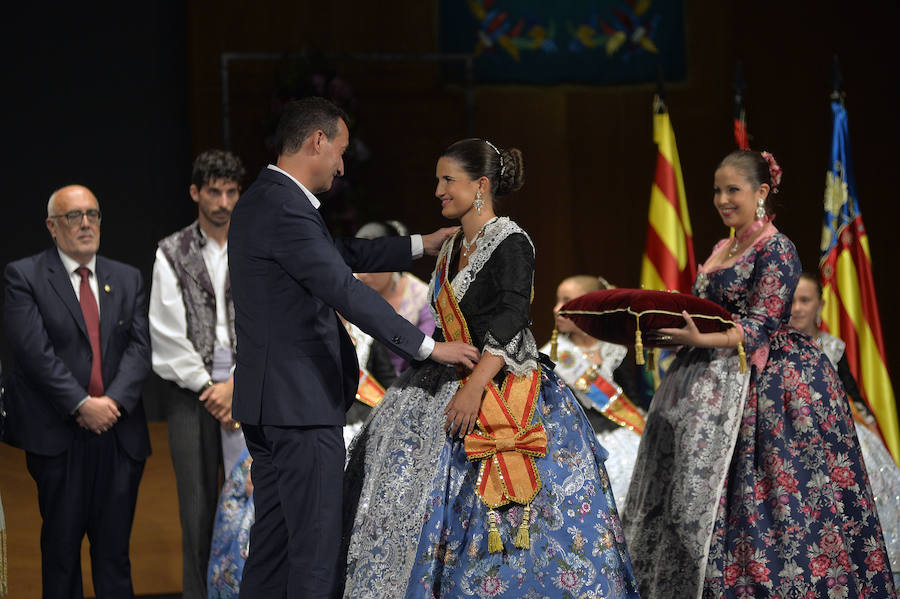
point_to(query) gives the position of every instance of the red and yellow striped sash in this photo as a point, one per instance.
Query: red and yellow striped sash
(507, 439)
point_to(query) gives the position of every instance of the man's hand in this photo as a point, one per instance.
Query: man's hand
(217, 400)
(432, 243)
(229, 424)
(455, 353)
(98, 414)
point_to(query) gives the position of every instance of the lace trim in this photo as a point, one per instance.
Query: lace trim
(493, 235)
(832, 346)
(520, 354)
(679, 473)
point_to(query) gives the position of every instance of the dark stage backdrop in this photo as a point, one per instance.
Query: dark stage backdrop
(122, 103)
(96, 95)
(588, 149)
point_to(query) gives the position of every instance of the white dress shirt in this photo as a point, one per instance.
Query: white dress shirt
(71, 265)
(417, 248)
(173, 356)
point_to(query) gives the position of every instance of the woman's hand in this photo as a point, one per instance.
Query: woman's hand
(690, 335)
(686, 335)
(462, 411)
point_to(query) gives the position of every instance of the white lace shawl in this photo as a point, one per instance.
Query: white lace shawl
(520, 354)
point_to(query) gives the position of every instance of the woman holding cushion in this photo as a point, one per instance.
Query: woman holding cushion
(486, 483)
(752, 485)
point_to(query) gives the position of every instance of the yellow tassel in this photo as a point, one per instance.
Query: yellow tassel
(522, 538)
(742, 358)
(554, 343)
(638, 346)
(651, 359)
(523, 541)
(495, 543)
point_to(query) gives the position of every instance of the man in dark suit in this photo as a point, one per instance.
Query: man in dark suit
(296, 368)
(77, 326)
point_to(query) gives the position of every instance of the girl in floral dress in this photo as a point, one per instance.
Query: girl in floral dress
(752, 485)
(442, 499)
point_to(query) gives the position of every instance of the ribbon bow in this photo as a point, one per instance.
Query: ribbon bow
(531, 441)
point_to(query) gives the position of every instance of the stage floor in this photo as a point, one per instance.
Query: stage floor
(155, 539)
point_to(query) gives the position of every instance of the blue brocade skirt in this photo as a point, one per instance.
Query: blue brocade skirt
(416, 528)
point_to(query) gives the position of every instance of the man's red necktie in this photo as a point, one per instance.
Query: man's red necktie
(92, 320)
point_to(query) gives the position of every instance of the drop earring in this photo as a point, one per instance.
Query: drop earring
(478, 203)
(760, 209)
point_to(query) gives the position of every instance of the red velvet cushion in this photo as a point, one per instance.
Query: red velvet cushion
(613, 314)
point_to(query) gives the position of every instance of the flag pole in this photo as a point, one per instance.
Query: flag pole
(837, 81)
(845, 270)
(741, 137)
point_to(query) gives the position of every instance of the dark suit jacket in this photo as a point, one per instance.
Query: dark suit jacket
(296, 365)
(49, 340)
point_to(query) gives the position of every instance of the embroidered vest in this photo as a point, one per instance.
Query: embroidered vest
(182, 250)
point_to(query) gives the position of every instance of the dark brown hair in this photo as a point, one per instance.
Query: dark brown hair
(811, 277)
(504, 168)
(301, 118)
(212, 165)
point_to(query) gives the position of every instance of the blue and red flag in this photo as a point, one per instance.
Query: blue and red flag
(845, 269)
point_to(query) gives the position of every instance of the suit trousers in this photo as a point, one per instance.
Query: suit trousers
(195, 444)
(297, 475)
(89, 489)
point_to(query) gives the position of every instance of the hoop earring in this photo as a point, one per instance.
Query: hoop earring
(478, 203)
(760, 209)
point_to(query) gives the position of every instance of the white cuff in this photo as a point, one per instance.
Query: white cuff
(80, 403)
(418, 250)
(427, 345)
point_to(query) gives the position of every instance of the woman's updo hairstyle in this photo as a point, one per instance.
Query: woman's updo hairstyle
(504, 168)
(759, 168)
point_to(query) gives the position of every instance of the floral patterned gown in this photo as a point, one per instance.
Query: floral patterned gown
(753, 485)
(231, 533)
(415, 525)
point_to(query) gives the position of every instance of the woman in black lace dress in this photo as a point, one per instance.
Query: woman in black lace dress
(486, 483)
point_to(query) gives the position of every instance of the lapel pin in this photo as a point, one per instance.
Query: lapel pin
(106, 288)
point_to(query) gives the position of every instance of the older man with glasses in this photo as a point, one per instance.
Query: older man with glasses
(77, 326)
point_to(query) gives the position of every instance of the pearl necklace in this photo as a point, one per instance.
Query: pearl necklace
(467, 245)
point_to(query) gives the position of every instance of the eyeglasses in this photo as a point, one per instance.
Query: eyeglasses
(74, 217)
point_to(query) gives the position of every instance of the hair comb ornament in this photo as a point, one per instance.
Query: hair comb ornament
(493, 147)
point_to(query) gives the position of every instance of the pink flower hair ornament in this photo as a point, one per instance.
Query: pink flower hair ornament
(774, 171)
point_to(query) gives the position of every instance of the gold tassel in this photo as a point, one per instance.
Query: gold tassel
(554, 343)
(638, 344)
(651, 358)
(522, 538)
(495, 543)
(742, 358)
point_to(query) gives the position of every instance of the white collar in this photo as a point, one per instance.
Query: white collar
(312, 199)
(70, 264)
(206, 240)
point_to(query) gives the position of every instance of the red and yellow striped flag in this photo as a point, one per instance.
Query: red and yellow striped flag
(669, 253)
(845, 268)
